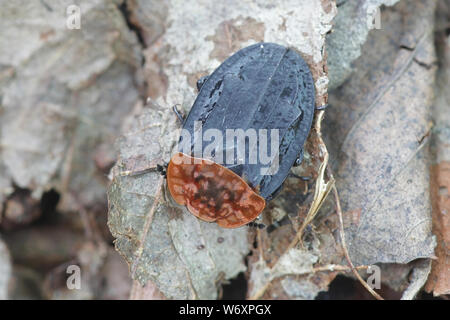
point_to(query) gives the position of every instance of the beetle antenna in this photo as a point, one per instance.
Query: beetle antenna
(158, 168)
(293, 175)
(178, 113)
(256, 225)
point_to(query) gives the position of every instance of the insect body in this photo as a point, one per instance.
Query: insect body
(250, 120)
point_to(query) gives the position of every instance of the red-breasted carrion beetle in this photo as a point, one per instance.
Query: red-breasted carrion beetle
(244, 132)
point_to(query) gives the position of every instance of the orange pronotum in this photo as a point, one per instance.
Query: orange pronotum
(212, 192)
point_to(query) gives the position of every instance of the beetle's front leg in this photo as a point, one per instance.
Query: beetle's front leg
(299, 159)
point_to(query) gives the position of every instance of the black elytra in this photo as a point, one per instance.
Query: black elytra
(263, 86)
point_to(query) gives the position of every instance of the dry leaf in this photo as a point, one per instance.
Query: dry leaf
(104, 275)
(354, 21)
(20, 210)
(377, 128)
(439, 279)
(25, 284)
(64, 94)
(417, 279)
(43, 247)
(147, 292)
(5, 270)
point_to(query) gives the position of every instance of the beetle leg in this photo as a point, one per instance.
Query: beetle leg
(178, 114)
(277, 191)
(274, 194)
(237, 168)
(161, 169)
(284, 221)
(299, 159)
(201, 81)
(297, 162)
(303, 178)
(322, 107)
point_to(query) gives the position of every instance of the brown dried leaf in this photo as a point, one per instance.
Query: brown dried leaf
(20, 210)
(147, 292)
(64, 94)
(417, 279)
(26, 284)
(104, 275)
(353, 21)
(439, 279)
(377, 128)
(43, 247)
(116, 278)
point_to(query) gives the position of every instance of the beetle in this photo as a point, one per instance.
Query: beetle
(263, 87)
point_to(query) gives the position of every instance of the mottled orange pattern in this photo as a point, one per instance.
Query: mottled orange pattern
(212, 192)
